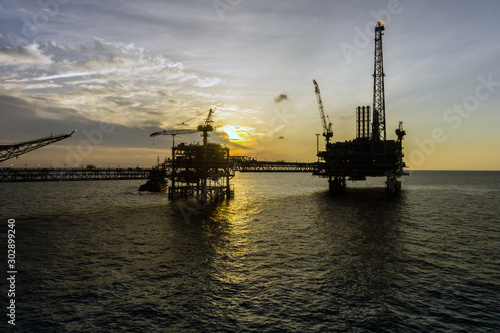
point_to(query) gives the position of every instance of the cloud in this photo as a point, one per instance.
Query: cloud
(113, 82)
(281, 97)
(23, 56)
(208, 82)
(65, 75)
(27, 124)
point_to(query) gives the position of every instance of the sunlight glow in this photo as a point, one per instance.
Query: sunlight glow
(238, 134)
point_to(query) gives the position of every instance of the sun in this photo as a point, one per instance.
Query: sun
(232, 132)
(238, 134)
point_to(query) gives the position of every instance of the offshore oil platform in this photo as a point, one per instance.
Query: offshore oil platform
(205, 170)
(202, 171)
(370, 154)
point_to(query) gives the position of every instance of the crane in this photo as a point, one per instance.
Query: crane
(17, 149)
(205, 128)
(327, 129)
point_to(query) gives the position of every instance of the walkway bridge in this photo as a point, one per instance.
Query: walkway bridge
(70, 174)
(246, 164)
(242, 164)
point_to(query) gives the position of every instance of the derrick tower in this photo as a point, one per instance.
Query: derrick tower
(378, 130)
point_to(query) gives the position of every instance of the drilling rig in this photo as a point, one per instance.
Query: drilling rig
(370, 154)
(197, 170)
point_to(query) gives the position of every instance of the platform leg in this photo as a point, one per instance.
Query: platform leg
(393, 185)
(337, 184)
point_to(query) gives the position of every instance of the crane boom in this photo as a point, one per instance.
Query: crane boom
(17, 149)
(209, 120)
(174, 132)
(327, 129)
(205, 128)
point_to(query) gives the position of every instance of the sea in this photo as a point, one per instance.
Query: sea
(283, 255)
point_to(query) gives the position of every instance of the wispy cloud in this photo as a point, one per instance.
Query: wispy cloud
(51, 77)
(61, 76)
(113, 82)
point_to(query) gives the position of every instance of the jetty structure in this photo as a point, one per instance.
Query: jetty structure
(370, 154)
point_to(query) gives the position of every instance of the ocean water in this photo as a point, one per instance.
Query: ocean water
(283, 256)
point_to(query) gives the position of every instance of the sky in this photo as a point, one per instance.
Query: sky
(117, 71)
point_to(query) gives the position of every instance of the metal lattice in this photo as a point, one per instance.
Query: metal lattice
(378, 131)
(17, 149)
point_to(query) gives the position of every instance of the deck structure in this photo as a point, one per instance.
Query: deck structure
(202, 171)
(363, 157)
